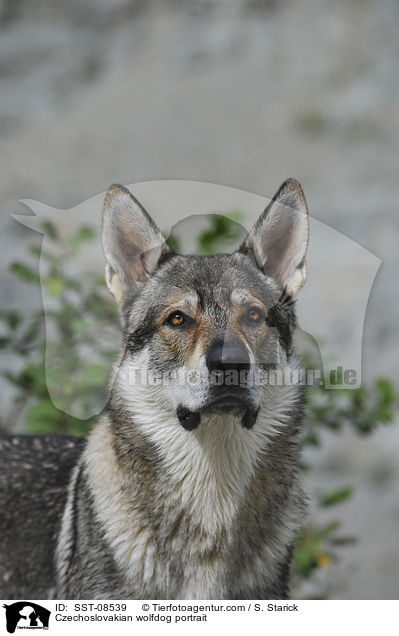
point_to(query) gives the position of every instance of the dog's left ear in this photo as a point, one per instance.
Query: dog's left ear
(279, 238)
(132, 243)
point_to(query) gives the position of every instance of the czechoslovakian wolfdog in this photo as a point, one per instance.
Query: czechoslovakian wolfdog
(183, 490)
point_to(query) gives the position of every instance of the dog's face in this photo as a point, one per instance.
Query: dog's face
(206, 327)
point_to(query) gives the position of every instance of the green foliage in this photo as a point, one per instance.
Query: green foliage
(80, 302)
(336, 496)
(83, 301)
(24, 272)
(363, 411)
(223, 231)
(309, 553)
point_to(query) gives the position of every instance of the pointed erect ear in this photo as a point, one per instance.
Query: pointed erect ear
(132, 243)
(279, 238)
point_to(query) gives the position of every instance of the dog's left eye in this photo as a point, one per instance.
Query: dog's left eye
(254, 315)
(176, 319)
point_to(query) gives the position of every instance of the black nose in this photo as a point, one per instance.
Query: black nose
(224, 355)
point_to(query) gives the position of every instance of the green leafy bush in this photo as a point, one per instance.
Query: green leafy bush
(78, 302)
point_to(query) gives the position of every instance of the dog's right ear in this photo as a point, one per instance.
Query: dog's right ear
(132, 243)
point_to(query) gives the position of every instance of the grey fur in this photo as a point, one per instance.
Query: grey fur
(130, 522)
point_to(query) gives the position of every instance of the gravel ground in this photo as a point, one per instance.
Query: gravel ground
(242, 93)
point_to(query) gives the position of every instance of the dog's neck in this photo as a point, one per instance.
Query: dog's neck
(209, 468)
(206, 471)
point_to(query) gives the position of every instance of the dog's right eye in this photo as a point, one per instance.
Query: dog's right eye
(176, 319)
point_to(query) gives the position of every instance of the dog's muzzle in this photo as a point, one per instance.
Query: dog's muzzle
(229, 369)
(190, 420)
(222, 400)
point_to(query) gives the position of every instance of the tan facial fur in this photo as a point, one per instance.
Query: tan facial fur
(191, 342)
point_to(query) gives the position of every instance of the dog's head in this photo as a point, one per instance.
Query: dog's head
(205, 326)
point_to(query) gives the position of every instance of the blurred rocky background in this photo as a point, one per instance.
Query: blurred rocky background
(242, 93)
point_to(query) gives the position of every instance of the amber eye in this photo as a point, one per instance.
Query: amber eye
(254, 314)
(176, 319)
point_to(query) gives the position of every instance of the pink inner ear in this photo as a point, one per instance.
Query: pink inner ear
(142, 275)
(138, 265)
(132, 242)
(133, 267)
(145, 271)
(278, 248)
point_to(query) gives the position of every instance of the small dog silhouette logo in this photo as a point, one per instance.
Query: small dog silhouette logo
(26, 615)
